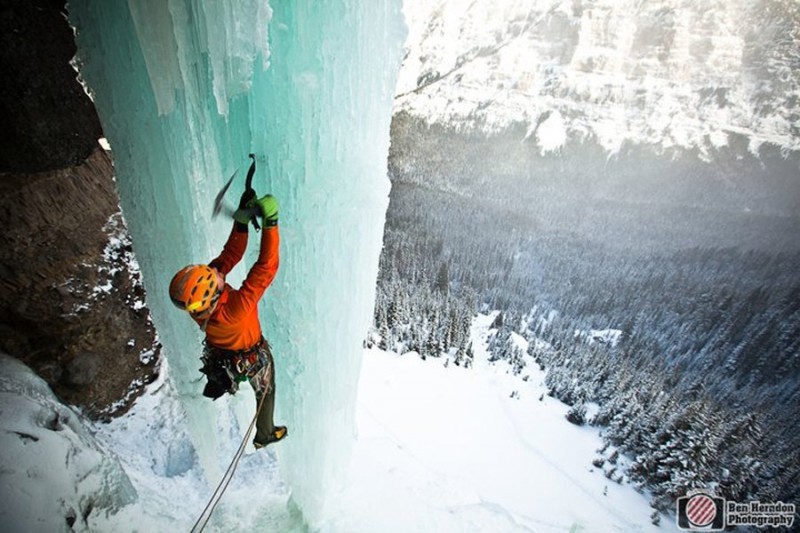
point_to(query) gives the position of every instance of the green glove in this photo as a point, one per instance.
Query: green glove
(268, 206)
(246, 208)
(243, 215)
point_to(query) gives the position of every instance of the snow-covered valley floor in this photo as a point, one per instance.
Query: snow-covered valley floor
(449, 449)
(438, 450)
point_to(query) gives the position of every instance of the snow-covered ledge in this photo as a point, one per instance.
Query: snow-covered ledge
(54, 474)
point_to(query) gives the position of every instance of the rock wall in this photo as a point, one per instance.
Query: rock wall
(71, 302)
(48, 120)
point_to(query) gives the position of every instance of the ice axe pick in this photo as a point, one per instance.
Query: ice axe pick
(219, 204)
(221, 207)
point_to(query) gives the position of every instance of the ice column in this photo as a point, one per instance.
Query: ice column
(148, 65)
(326, 108)
(184, 93)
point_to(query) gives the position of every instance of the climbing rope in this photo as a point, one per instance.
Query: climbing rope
(226, 479)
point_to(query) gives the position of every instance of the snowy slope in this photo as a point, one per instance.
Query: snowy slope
(153, 444)
(439, 449)
(60, 472)
(54, 475)
(675, 74)
(448, 449)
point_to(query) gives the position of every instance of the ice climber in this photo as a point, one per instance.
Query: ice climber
(235, 349)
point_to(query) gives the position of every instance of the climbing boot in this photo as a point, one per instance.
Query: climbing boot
(277, 434)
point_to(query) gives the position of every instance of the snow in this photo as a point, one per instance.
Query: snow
(603, 336)
(448, 449)
(443, 449)
(154, 445)
(53, 473)
(552, 133)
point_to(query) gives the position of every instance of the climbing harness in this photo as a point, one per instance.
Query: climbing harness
(225, 369)
(226, 479)
(246, 363)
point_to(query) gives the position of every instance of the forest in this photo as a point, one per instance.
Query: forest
(702, 388)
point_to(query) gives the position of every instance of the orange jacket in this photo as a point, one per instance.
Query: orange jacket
(234, 324)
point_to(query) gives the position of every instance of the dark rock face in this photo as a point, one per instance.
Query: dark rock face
(48, 121)
(71, 306)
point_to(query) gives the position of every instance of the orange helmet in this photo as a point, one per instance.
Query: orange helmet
(195, 288)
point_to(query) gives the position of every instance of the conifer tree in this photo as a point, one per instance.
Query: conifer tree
(443, 279)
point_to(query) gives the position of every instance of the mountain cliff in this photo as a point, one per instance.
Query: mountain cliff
(677, 75)
(72, 304)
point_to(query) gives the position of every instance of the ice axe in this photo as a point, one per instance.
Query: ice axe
(248, 186)
(219, 202)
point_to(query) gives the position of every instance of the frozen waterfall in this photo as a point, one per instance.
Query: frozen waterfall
(185, 90)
